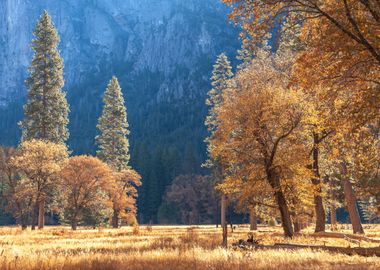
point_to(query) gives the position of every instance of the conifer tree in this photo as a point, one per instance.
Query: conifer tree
(221, 74)
(245, 55)
(113, 144)
(46, 111)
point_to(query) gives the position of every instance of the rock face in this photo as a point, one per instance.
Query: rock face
(172, 39)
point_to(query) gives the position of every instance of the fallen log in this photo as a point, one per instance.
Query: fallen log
(367, 252)
(344, 236)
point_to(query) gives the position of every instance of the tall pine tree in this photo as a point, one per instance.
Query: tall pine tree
(46, 111)
(221, 75)
(113, 144)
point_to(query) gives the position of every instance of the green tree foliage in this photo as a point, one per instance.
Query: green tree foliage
(113, 144)
(221, 74)
(46, 111)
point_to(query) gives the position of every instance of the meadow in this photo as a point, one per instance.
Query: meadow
(167, 248)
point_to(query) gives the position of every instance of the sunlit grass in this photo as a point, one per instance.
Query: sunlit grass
(165, 247)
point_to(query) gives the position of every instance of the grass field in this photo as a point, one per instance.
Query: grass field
(165, 247)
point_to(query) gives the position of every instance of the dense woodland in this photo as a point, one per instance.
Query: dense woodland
(293, 133)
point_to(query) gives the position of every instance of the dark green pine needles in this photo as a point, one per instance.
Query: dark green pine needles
(113, 144)
(46, 111)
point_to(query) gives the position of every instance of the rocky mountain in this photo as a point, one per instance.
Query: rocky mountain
(161, 50)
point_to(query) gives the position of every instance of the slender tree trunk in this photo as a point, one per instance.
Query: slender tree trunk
(41, 214)
(216, 214)
(74, 225)
(74, 222)
(223, 203)
(115, 219)
(350, 199)
(333, 217)
(24, 222)
(253, 218)
(35, 216)
(297, 226)
(286, 220)
(320, 213)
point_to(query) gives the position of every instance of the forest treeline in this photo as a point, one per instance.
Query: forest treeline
(293, 131)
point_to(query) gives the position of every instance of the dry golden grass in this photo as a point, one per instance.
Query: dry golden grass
(166, 248)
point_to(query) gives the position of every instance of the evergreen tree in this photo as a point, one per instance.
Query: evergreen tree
(46, 111)
(221, 74)
(113, 144)
(245, 54)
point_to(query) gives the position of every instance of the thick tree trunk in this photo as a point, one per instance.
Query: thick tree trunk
(286, 221)
(320, 213)
(350, 199)
(223, 204)
(41, 214)
(320, 225)
(253, 219)
(333, 217)
(115, 219)
(285, 215)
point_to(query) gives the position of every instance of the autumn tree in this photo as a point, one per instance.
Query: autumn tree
(46, 111)
(123, 194)
(260, 129)
(193, 198)
(316, 125)
(84, 184)
(341, 63)
(16, 195)
(40, 162)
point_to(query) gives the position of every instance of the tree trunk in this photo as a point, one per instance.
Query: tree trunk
(74, 221)
(115, 219)
(253, 219)
(286, 221)
(41, 214)
(35, 216)
(285, 215)
(74, 224)
(24, 222)
(216, 214)
(223, 203)
(333, 217)
(297, 226)
(320, 225)
(350, 199)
